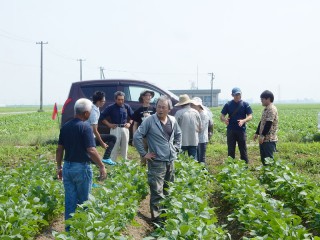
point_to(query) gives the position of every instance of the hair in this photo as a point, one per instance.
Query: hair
(267, 94)
(118, 93)
(82, 105)
(165, 98)
(97, 96)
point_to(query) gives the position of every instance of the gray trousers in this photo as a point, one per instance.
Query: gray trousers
(159, 174)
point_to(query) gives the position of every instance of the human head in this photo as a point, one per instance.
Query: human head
(196, 103)
(267, 94)
(236, 91)
(236, 94)
(82, 108)
(146, 94)
(98, 96)
(119, 98)
(184, 100)
(163, 106)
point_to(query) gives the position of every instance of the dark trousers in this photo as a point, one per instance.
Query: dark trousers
(266, 150)
(191, 150)
(240, 137)
(201, 152)
(110, 140)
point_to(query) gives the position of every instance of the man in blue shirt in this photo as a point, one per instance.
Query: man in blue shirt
(239, 112)
(115, 116)
(77, 141)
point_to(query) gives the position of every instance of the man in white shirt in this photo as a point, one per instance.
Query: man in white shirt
(190, 123)
(106, 141)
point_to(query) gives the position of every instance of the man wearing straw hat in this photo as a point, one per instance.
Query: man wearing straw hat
(190, 123)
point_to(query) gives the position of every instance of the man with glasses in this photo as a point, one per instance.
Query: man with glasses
(163, 136)
(239, 113)
(106, 141)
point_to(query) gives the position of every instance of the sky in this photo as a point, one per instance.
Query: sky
(251, 44)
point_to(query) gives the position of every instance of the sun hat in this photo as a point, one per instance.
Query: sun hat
(183, 100)
(197, 101)
(235, 91)
(144, 92)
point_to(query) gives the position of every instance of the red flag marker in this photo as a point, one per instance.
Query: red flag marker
(55, 111)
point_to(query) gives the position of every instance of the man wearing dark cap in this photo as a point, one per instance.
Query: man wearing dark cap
(239, 113)
(141, 114)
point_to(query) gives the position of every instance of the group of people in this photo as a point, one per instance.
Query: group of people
(236, 113)
(157, 136)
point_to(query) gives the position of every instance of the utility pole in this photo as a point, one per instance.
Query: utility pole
(101, 73)
(212, 77)
(41, 76)
(80, 60)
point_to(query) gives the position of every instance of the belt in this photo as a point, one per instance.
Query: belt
(121, 125)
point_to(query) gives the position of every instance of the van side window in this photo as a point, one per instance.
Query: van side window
(133, 93)
(107, 89)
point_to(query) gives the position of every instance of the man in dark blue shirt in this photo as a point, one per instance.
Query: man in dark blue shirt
(239, 112)
(77, 141)
(117, 115)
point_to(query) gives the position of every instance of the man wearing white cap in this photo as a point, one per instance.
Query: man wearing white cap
(190, 123)
(239, 113)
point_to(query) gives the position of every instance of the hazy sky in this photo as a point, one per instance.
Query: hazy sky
(252, 44)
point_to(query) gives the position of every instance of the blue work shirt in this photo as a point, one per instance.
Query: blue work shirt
(118, 114)
(76, 136)
(230, 107)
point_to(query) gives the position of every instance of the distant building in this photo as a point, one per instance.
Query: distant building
(204, 94)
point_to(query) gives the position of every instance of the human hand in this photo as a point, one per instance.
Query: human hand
(241, 122)
(149, 156)
(59, 173)
(226, 121)
(104, 145)
(255, 136)
(103, 173)
(261, 139)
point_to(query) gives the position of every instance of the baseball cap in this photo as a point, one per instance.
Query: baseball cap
(236, 90)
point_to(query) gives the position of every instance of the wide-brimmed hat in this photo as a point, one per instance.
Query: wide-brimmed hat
(144, 92)
(197, 101)
(183, 100)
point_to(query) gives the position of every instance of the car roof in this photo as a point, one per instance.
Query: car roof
(120, 82)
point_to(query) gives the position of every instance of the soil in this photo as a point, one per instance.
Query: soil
(141, 227)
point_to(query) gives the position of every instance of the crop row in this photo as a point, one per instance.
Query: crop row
(263, 217)
(112, 205)
(29, 199)
(188, 214)
(302, 195)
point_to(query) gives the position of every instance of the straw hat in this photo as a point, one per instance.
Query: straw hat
(183, 99)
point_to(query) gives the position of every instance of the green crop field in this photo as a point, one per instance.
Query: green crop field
(225, 200)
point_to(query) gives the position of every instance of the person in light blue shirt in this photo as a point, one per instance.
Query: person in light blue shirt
(106, 141)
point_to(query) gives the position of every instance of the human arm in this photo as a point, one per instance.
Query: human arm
(97, 135)
(241, 122)
(59, 156)
(95, 157)
(224, 119)
(108, 124)
(256, 135)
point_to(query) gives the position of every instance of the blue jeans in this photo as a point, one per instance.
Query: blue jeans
(77, 181)
(266, 150)
(201, 152)
(191, 150)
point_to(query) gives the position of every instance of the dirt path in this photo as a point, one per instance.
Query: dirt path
(142, 228)
(57, 225)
